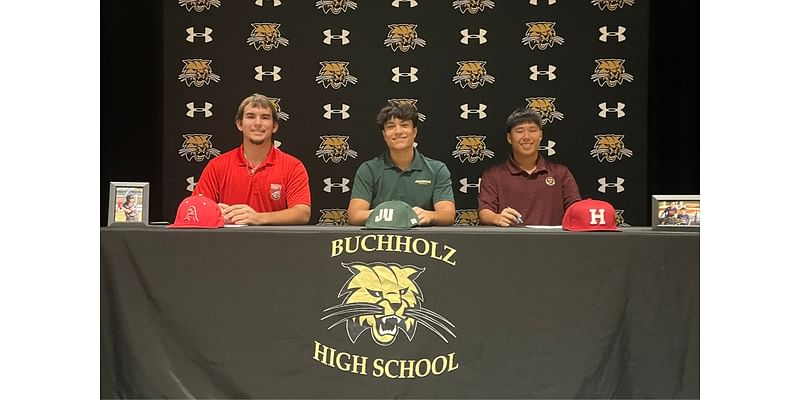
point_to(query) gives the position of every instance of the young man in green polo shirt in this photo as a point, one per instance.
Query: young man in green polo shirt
(402, 173)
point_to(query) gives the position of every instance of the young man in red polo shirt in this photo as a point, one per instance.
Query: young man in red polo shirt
(526, 189)
(257, 183)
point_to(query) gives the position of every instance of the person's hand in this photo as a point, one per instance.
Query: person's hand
(240, 214)
(508, 217)
(425, 216)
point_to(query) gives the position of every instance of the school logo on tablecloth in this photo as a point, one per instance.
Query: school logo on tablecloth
(546, 107)
(610, 71)
(335, 74)
(199, 5)
(335, 148)
(472, 73)
(471, 148)
(266, 36)
(197, 147)
(403, 37)
(197, 72)
(336, 6)
(541, 35)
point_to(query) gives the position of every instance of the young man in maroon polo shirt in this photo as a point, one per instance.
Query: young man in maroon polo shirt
(526, 189)
(257, 183)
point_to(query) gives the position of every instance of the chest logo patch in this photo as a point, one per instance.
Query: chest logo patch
(550, 181)
(275, 191)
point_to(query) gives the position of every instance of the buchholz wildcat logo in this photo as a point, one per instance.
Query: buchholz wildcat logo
(403, 37)
(197, 72)
(412, 102)
(267, 36)
(546, 107)
(281, 115)
(335, 148)
(609, 147)
(333, 217)
(610, 71)
(472, 6)
(471, 148)
(611, 5)
(335, 74)
(197, 146)
(467, 217)
(541, 35)
(385, 299)
(199, 5)
(336, 6)
(472, 73)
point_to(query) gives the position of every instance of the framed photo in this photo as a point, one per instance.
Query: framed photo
(128, 203)
(676, 212)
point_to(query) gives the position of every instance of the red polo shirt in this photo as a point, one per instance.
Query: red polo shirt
(280, 182)
(540, 197)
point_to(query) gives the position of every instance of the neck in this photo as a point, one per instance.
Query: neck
(402, 159)
(527, 163)
(256, 153)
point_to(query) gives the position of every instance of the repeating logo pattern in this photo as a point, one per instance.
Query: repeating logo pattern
(472, 74)
(467, 217)
(197, 147)
(610, 72)
(412, 102)
(403, 37)
(333, 217)
(266, 36)
(280, 114)
(191, 35)
(334, 148)
(341, 185)
(199, 5)
(612, 5)
(471, 148)
(472, 6)
(609, 147)
(205, 110)
(466, 185)
(336, 6)
(619, 34)
(197, 72)
(541, 35)
(335, 74)
(546, 107)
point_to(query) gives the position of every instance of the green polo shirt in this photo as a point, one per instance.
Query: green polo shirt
(424, 183)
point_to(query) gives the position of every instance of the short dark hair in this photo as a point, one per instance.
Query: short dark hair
(258, 100)
(400, 110)
(521, 116)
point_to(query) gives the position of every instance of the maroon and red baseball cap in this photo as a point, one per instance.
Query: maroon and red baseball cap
(590, 215)
(198, 212)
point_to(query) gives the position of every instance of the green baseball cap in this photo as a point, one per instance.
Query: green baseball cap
(392, 214)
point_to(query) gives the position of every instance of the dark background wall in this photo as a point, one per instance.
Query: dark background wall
(132, 116)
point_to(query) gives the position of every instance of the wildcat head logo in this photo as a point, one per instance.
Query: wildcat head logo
(335, 6)
(467, 217)
(333, 217)
(473, 6)
(471, 148)
(472, 74)
(403, 37)
(619, 218)
(385, 299)
(197, 146)
(199, 5)
(281, 115)
(541, 35)
(334, 74)
(197, 72)
(412, 102)
(265, 35)
(335, 148)
(612, 5)
(546, 107)
(610, 71)
(609, 147)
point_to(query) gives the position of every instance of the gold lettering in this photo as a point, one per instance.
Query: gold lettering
(425, 242)
(451, 366)
(427, 369)
(385, 242)
(404, 241)
(336, 247)
(388, 365)
(439, 371)
(406, 368)
(364, 243)
(377, 367)
(359, 361)
(433, 251)
(450, 254)
(322, 350)
(343, 367)
(347, 244)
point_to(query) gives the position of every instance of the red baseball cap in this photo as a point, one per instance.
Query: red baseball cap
(590, 215)
(198, 212)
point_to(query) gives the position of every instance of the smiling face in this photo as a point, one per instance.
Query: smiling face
(399, 134)
(257, 124)
(524, 139)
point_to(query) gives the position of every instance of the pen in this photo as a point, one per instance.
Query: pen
(519, 220)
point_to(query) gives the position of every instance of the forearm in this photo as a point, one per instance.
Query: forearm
(358, 217)
(297, 215)
(488, 217)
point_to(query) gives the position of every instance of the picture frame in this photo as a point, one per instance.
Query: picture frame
(128, 203)
(675, 212)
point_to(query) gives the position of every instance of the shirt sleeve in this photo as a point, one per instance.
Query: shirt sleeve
(363, 184)
(298, 190)
(209, 184)
(443, 190)
(487, 196)
(569, 189)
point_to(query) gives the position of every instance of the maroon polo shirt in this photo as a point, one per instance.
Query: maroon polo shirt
(540, 197)
(280, 182)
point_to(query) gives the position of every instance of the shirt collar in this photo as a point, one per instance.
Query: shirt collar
(270, 160)
(416, 164)
(541, 166)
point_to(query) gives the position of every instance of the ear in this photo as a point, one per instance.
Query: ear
(508, 137)
(239, 125)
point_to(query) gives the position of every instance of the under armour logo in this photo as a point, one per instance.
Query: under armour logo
(191, 184)
(536, 2)
(597, 217)
(604, 109)
(481, 36)
(206, 110)
(274, 73)
(617, 185)
(411, 3)
(411, 74)
(466, 111)
(329, 184)
(550, 148)
(465, 185)
(551, 72)
(275, 3)
(604, 33)
(342, 36)
(206, 35)
(329, 110)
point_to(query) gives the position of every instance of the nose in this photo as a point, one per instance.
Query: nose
(395, 306)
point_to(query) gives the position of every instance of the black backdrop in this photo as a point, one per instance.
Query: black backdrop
(132, 111)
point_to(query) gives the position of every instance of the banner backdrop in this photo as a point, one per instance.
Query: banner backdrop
(464, 64)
